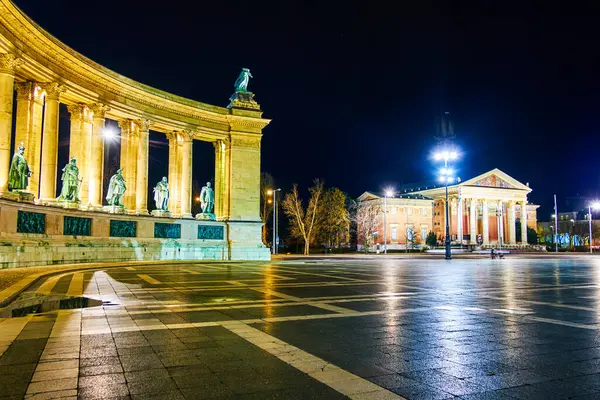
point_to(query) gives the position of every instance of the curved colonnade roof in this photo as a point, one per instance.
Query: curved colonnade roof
(46, 59)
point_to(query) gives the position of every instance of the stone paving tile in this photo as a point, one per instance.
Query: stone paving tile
(439, 338)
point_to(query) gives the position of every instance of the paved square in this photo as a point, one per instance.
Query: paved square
(385, 328)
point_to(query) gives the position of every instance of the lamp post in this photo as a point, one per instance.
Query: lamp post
(386, 194)
(275, 243)
(446, 176)
(594, 205)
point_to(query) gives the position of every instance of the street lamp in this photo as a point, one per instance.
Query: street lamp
(387, 193)
(594, 205)
(275, 244)
(446, 177)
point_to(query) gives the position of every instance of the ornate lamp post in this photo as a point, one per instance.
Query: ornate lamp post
(594, 205)
(388, 193)
(446, 177)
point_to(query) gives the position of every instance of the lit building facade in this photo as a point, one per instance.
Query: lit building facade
(487, 210)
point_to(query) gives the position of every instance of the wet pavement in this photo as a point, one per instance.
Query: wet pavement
(523, 328)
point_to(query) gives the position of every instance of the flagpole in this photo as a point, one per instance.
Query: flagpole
(555, 226)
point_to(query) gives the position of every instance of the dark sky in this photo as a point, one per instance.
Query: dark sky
(354, 91)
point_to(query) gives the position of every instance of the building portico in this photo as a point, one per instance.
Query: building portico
(487, 207)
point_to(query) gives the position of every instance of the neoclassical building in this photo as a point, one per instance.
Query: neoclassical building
(486, 210)
(41, 73)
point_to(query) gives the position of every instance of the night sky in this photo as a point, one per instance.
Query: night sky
(354, 92)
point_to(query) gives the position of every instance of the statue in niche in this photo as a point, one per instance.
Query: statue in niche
(116, 189)
(161, 194)
(207, 199)
(241, 83)
(19, 172)
(70, 183)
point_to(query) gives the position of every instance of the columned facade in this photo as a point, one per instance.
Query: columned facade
(494, 203)
(94, 94)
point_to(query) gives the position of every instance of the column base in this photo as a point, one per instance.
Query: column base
(206, 217)
(141, 212)
(22, 197)
(187, 216)
(115, 209)
(161, 213)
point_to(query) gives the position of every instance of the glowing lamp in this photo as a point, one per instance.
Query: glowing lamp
(109, 133)
(596, 205)
(269, 192)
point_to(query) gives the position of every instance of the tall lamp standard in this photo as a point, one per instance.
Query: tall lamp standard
(446, 176)
(386, 194)
(594, 205)
(275, 244)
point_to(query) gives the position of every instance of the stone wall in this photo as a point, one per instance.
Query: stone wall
(39, 235)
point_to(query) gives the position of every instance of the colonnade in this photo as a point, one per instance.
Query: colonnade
(37, 120)
(466, 213)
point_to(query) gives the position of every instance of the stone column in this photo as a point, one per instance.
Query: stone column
(50, 142)
(76, 111)
(86, 157)
(524, 222)
(30, 107)
(486, 222)
(96, 162)
(8, 64)
(23, 119)
(473, 221)
(129, 161)
(512, 229)
(459, 220)
(221, 180)
(141, 184)
(500, 218)
(173, 177)
(186, 174)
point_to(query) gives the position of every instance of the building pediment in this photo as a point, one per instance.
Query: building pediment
(496, 179)
(368, 196)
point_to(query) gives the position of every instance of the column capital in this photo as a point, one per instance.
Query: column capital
(125, 126)
(186, 135)
(24, 90)
(99, 110)
(9, 63)
(76, 111)
(143, 124)
(53, 90)
(172, 137)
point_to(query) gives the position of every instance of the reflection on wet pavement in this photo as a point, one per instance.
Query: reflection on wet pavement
(521, 328)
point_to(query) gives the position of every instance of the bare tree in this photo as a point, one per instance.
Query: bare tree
(266, 183)
(366, 215)
(304, 223)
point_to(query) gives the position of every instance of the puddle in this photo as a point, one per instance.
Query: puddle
(42, 304)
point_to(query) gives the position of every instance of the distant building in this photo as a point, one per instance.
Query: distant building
(484, 210)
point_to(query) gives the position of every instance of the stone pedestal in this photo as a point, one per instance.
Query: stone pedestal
(243, 100)
(69, 204)
(115, 209)
(161, 213)
(206, 217)
(23, 197)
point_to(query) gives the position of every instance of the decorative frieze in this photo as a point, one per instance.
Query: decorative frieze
(120, 228)
(210, 232)
(167, 231)
(77, 226)
(31, 222)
